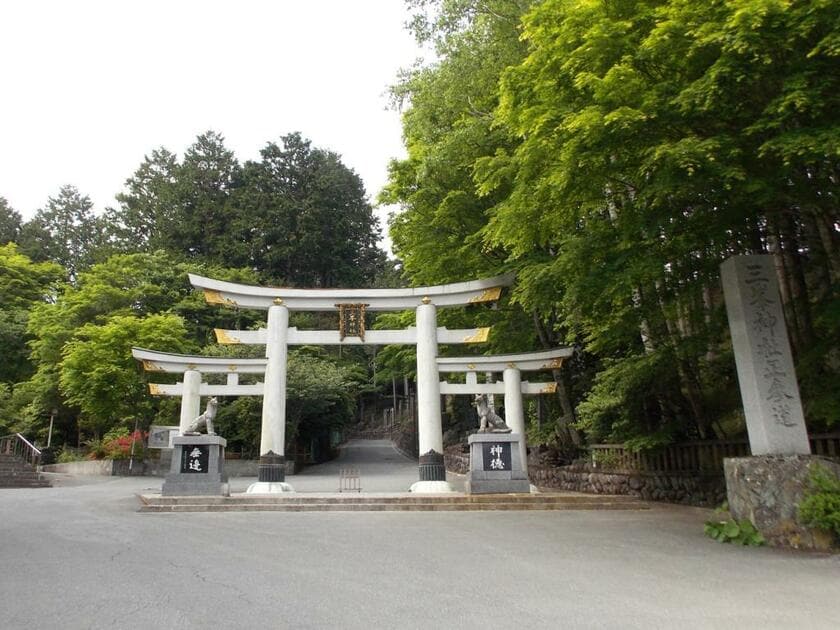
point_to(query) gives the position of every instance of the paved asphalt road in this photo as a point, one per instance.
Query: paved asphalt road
(80, 556)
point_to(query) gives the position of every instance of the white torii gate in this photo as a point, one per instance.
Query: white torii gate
(191, 389)
(352, 305)
(512, 386)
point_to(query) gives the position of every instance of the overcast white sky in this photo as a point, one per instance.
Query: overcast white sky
(89, 87)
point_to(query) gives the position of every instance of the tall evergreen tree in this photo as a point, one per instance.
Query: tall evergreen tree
(145, 218)
(10, 223)
(203, 210)
(64, 231)
(306, 218)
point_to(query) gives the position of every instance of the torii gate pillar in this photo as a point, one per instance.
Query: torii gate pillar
(190, 400)
(272, 467)
(429, 429)
(514, 412)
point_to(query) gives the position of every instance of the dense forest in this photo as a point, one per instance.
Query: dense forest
(81, 289)
(611, 153)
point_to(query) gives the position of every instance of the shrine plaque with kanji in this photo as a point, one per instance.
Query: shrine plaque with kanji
(195, 459)
(496, 455)
(351, 320)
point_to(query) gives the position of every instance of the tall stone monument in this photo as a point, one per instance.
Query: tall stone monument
(769, 391)
(767, 488)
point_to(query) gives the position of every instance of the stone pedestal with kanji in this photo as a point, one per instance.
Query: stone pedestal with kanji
(496, 464)
(198, 467)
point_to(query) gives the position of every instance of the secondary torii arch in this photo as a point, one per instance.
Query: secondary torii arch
(351, 305)
(512, 386)
(191, 389)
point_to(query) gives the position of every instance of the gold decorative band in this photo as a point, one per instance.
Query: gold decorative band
(150, 366)
(223, 336)
(480, 336)
(490, 295)
(211, 296)
(549, 388)
(154, 389)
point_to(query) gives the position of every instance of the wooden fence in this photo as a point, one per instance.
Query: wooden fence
(693, 456)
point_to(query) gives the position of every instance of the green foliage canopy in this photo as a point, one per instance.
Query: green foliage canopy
(626, 149)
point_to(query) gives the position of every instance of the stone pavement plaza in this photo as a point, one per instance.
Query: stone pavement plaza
(79, 555)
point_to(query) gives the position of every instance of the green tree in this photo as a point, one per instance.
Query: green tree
(306, 219)
(639, 145)
(204, 186)
(130, 285)
(673, 111)
(319, 395)
(10, 223)
(64, 231)
(100, 377)
(449, 127)
(23, 284)
(145, 218)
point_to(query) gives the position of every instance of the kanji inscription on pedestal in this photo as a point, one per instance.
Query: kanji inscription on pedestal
(195, 459)
(496, 456)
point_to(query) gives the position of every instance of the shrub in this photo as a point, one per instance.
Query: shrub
(48, 455)
(117, 445)
(66, 456)
(741, 532)
(821, 505)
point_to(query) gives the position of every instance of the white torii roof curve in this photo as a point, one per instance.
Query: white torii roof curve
(527, 361)
(256, 297)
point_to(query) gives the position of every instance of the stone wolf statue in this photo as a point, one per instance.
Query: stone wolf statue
(204, 420)
(490, 422)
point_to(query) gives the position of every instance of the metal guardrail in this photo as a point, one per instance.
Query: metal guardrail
(18, 446)
(349, 480)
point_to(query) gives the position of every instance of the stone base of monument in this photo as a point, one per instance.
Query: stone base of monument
(767, 490)
(198, 467)
(495, 465)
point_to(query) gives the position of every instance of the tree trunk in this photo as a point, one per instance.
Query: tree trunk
(775, 246)
(829, 242)
(689, 382)
(799, 289)
(565, 423)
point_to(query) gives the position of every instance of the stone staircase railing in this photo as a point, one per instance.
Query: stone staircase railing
(18, 446)
(19, 459)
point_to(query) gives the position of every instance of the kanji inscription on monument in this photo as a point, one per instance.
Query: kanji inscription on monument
(195, 459)
(769, 391)
(496, 456)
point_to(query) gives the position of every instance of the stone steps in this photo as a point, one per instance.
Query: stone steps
(16, 473)
(387, 503)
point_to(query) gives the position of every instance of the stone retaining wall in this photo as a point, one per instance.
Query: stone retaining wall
(688, 488)
(86, 467)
